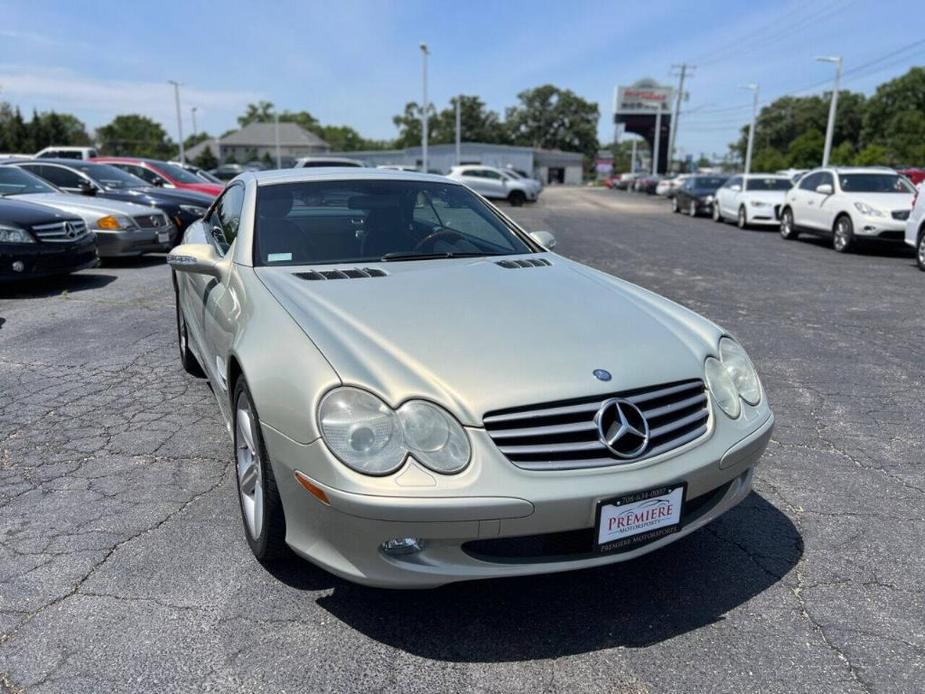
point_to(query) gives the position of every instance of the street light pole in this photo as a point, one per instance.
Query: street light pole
(658, 137)
(424, 54)
(833, 106)
(751, 128)
(195, 131)
(279, 160)
(458, 131)
(176, 96)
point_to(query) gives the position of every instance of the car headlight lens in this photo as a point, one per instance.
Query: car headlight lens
(194, 210)
(114, 222)
(369, 437)
(362, 431)
(15, 235)
(741, 370)
(434, 437)
(708, 199)
(723, 388)
(867, 210)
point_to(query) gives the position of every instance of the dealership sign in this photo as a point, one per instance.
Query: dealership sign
(643, 97)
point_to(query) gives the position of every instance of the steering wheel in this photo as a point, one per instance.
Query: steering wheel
(441, 235)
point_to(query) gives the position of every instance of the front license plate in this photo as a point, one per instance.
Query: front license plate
(638, 518)
(163, 236)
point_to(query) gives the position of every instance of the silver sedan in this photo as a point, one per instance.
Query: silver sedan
(421, 392)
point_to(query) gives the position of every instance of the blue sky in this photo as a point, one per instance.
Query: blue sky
(358, 63)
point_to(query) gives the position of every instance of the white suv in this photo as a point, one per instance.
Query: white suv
(847, 205)
(751, 199)
(915, 227)
(494, 184)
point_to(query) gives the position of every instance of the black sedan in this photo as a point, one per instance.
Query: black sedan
(695, 195)
(183, 207)
(36, 241)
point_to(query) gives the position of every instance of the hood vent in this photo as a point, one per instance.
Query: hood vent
(519, 263)
(348, 274)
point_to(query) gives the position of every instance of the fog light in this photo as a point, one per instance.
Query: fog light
(18, 266)
(402, 545)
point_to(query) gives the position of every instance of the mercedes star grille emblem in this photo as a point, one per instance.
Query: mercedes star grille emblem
(69, 230)
(622, 427)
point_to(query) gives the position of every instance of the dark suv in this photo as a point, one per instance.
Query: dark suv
(36, 241)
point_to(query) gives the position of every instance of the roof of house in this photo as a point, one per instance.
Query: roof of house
(197, 149)
(264, 135)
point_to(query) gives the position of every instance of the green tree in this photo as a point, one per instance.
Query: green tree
(901, 95)
(135, 135)
(476, 123)
(15, 135)
(553, 118)
(871, 155)
(906, 142)
(205, 159)
(843, 155)
(805, 151)
(409, 124)
(768, 160)
(193, 140)
(261, 112)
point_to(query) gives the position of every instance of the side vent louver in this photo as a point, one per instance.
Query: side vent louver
(348, 274)
(522, 262)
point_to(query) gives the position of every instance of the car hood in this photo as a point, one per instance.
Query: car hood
(883, 201)
(90, 209)
(170, 195)
(477, 337)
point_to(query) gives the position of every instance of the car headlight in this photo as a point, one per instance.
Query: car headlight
(194, 210)
(867, 210)
(15, 235)
(368, 436)
(759, 203)
(731, 377)
(114, 222)
(708, 199)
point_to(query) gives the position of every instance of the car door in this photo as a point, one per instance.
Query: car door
(802, 199)
(825, 208)
(221, 304)
(727, 196)
(64, 178)
(475, 179)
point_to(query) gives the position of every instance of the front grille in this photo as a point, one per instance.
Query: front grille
(901, 215)
(151, 221)
(563, 436)
(60, 232)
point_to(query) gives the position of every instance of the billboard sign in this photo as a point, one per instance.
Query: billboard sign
(645, 97)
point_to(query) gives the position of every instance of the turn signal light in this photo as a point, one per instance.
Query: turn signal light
(109, 222)
(312, 488)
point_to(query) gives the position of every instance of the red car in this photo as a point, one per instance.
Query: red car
(914, 175)
(162, 174)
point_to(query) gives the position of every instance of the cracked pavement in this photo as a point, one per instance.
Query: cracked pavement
(123, 565)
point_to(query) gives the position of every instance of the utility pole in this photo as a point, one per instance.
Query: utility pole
(751, 128)
(658, 137)
(279, 160)
(683, 69)
(458, 130)
(424, 54)
(633, 157)
(176, 96)
(195, 131)
(830, 128)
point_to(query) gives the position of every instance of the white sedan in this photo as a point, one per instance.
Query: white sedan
(915, 227)
(751, 199)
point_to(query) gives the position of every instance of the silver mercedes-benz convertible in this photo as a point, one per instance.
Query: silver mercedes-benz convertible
(421, 392)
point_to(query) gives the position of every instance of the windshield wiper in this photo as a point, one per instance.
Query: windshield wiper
(433, 256)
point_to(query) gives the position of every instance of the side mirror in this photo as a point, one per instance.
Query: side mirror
(735, 189)
(199, 258)
(824, 188)
(87, 188)
(545, 238)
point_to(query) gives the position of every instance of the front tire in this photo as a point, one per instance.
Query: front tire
(517, 198)
(843, 235)
(787, 229)
(692, 208)
(261, 506)
(674, 205)
(717, 215)
(742, 218)
(920, 252)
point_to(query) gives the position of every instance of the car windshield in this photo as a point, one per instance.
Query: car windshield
(111, 177)
(15, 181)
(707, 182)
(874, 183)
(177, 173)
(768, 184)
(322, 222)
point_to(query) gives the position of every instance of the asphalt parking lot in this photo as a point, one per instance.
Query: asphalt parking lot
(123, 566)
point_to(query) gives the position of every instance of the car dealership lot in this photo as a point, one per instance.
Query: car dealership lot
(123, 566)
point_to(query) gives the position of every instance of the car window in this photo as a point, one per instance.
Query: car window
(770, 183)
(15, 181)
(810, 181)
(61, 177)
(488, 173)
(177, 173)
(226, 218)
(874, 183)
(145, 174)
(110, 176)
(355, 221)
(825, 177)
(476, 173)
(736, 181)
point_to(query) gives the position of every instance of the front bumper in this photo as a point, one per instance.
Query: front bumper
(494, 501)
(763, 215)
(879, 228)
(45, 259)
(115, 244)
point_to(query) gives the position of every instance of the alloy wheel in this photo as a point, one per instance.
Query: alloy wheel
(920, 255)
(692, 209)
(786, 225)
(842, 235)
(248, 464)
(743, 220)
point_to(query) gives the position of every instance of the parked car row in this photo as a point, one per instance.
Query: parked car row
(849, 205)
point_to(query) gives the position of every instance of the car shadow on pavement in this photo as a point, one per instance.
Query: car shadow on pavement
(862, 248)
(687, 585)
(146, 260)
(52, 286)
